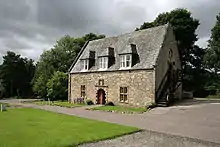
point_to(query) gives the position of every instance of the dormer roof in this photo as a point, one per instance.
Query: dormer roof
(106, 52)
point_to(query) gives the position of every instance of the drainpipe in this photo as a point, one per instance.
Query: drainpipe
(69, 85)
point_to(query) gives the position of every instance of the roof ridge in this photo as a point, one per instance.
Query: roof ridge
(122, 34)
(148, 42)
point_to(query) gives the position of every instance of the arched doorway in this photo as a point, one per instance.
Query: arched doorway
(101, 99)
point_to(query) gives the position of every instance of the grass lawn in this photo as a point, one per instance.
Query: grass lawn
(58, 103)
(26, 127)
(121, 109)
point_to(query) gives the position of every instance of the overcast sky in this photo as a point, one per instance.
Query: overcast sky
(29, 27)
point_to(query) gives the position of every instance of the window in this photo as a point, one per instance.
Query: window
(85, 64)
(83, 90)
(125, 61)
(103, 63)
(101, 82)
(123, 95)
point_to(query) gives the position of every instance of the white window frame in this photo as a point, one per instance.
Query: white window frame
(123, 94)
(85, 65)
(103, 63)
(83, 91)
(125, 61)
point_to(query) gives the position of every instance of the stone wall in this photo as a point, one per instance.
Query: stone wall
(140, 84)
(163, 59)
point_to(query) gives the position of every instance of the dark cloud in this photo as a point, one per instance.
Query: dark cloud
(29, 27)
(206, 12)
(14, 10)
(68, 15)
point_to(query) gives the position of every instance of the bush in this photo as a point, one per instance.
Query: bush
(110, 104)
(151, 105)
(202, 93)
(57, 86)
(89, 102)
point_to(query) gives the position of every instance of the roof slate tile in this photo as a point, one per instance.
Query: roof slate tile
(148, 44)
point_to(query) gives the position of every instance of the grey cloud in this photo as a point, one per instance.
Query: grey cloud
(14, 9)
(69, 15)
(206, 12)
(29, 27)
(14, 43)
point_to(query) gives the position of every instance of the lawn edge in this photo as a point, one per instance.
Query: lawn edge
(109, 138)
(57, 105)
(120, 112)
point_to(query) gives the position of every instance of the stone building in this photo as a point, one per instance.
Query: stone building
(136, 68)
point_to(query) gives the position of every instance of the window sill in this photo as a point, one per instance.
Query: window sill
(84, 70)
(124, 102)
(124, 68)
(102, 69)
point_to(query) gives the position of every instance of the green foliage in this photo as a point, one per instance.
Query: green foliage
(151, 105)
(58, 103)
(121, 109)
(195, 76)
(57, 86)
(146, 25)
(2, 89)
(109, 104)
(89, 102)
(58, 58)
(16, 74)
(26, 127)
(184, 26)
(212, 57)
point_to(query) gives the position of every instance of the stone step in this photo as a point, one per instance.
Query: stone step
(162, 105)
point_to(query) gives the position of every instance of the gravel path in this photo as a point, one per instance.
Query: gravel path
(151, 139)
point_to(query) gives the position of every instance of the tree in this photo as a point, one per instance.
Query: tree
(2, 89)
(57, 86)
(212, 56)
(58, 58)
(195, 74)
(44, 70)
(146, 25)
(184, 26)
(16, 74)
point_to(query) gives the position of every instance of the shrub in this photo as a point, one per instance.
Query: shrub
(79, 100)
(89, 102)
(151, 105)
(109, 104)
(57, 86)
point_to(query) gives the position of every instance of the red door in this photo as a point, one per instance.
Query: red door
(101, 97)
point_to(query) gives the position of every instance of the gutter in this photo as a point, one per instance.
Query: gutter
(116, 70)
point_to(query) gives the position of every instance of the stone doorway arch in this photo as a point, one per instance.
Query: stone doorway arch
(101, 97)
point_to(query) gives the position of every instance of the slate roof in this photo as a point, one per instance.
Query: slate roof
(147, 42)
(88, 55)
(105, 52)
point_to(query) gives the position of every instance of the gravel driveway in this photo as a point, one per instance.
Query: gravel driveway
(151, 139)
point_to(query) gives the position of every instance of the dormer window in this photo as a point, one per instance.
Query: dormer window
(87, 60)
(125, 61)
(103, 62)
(85, 64)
